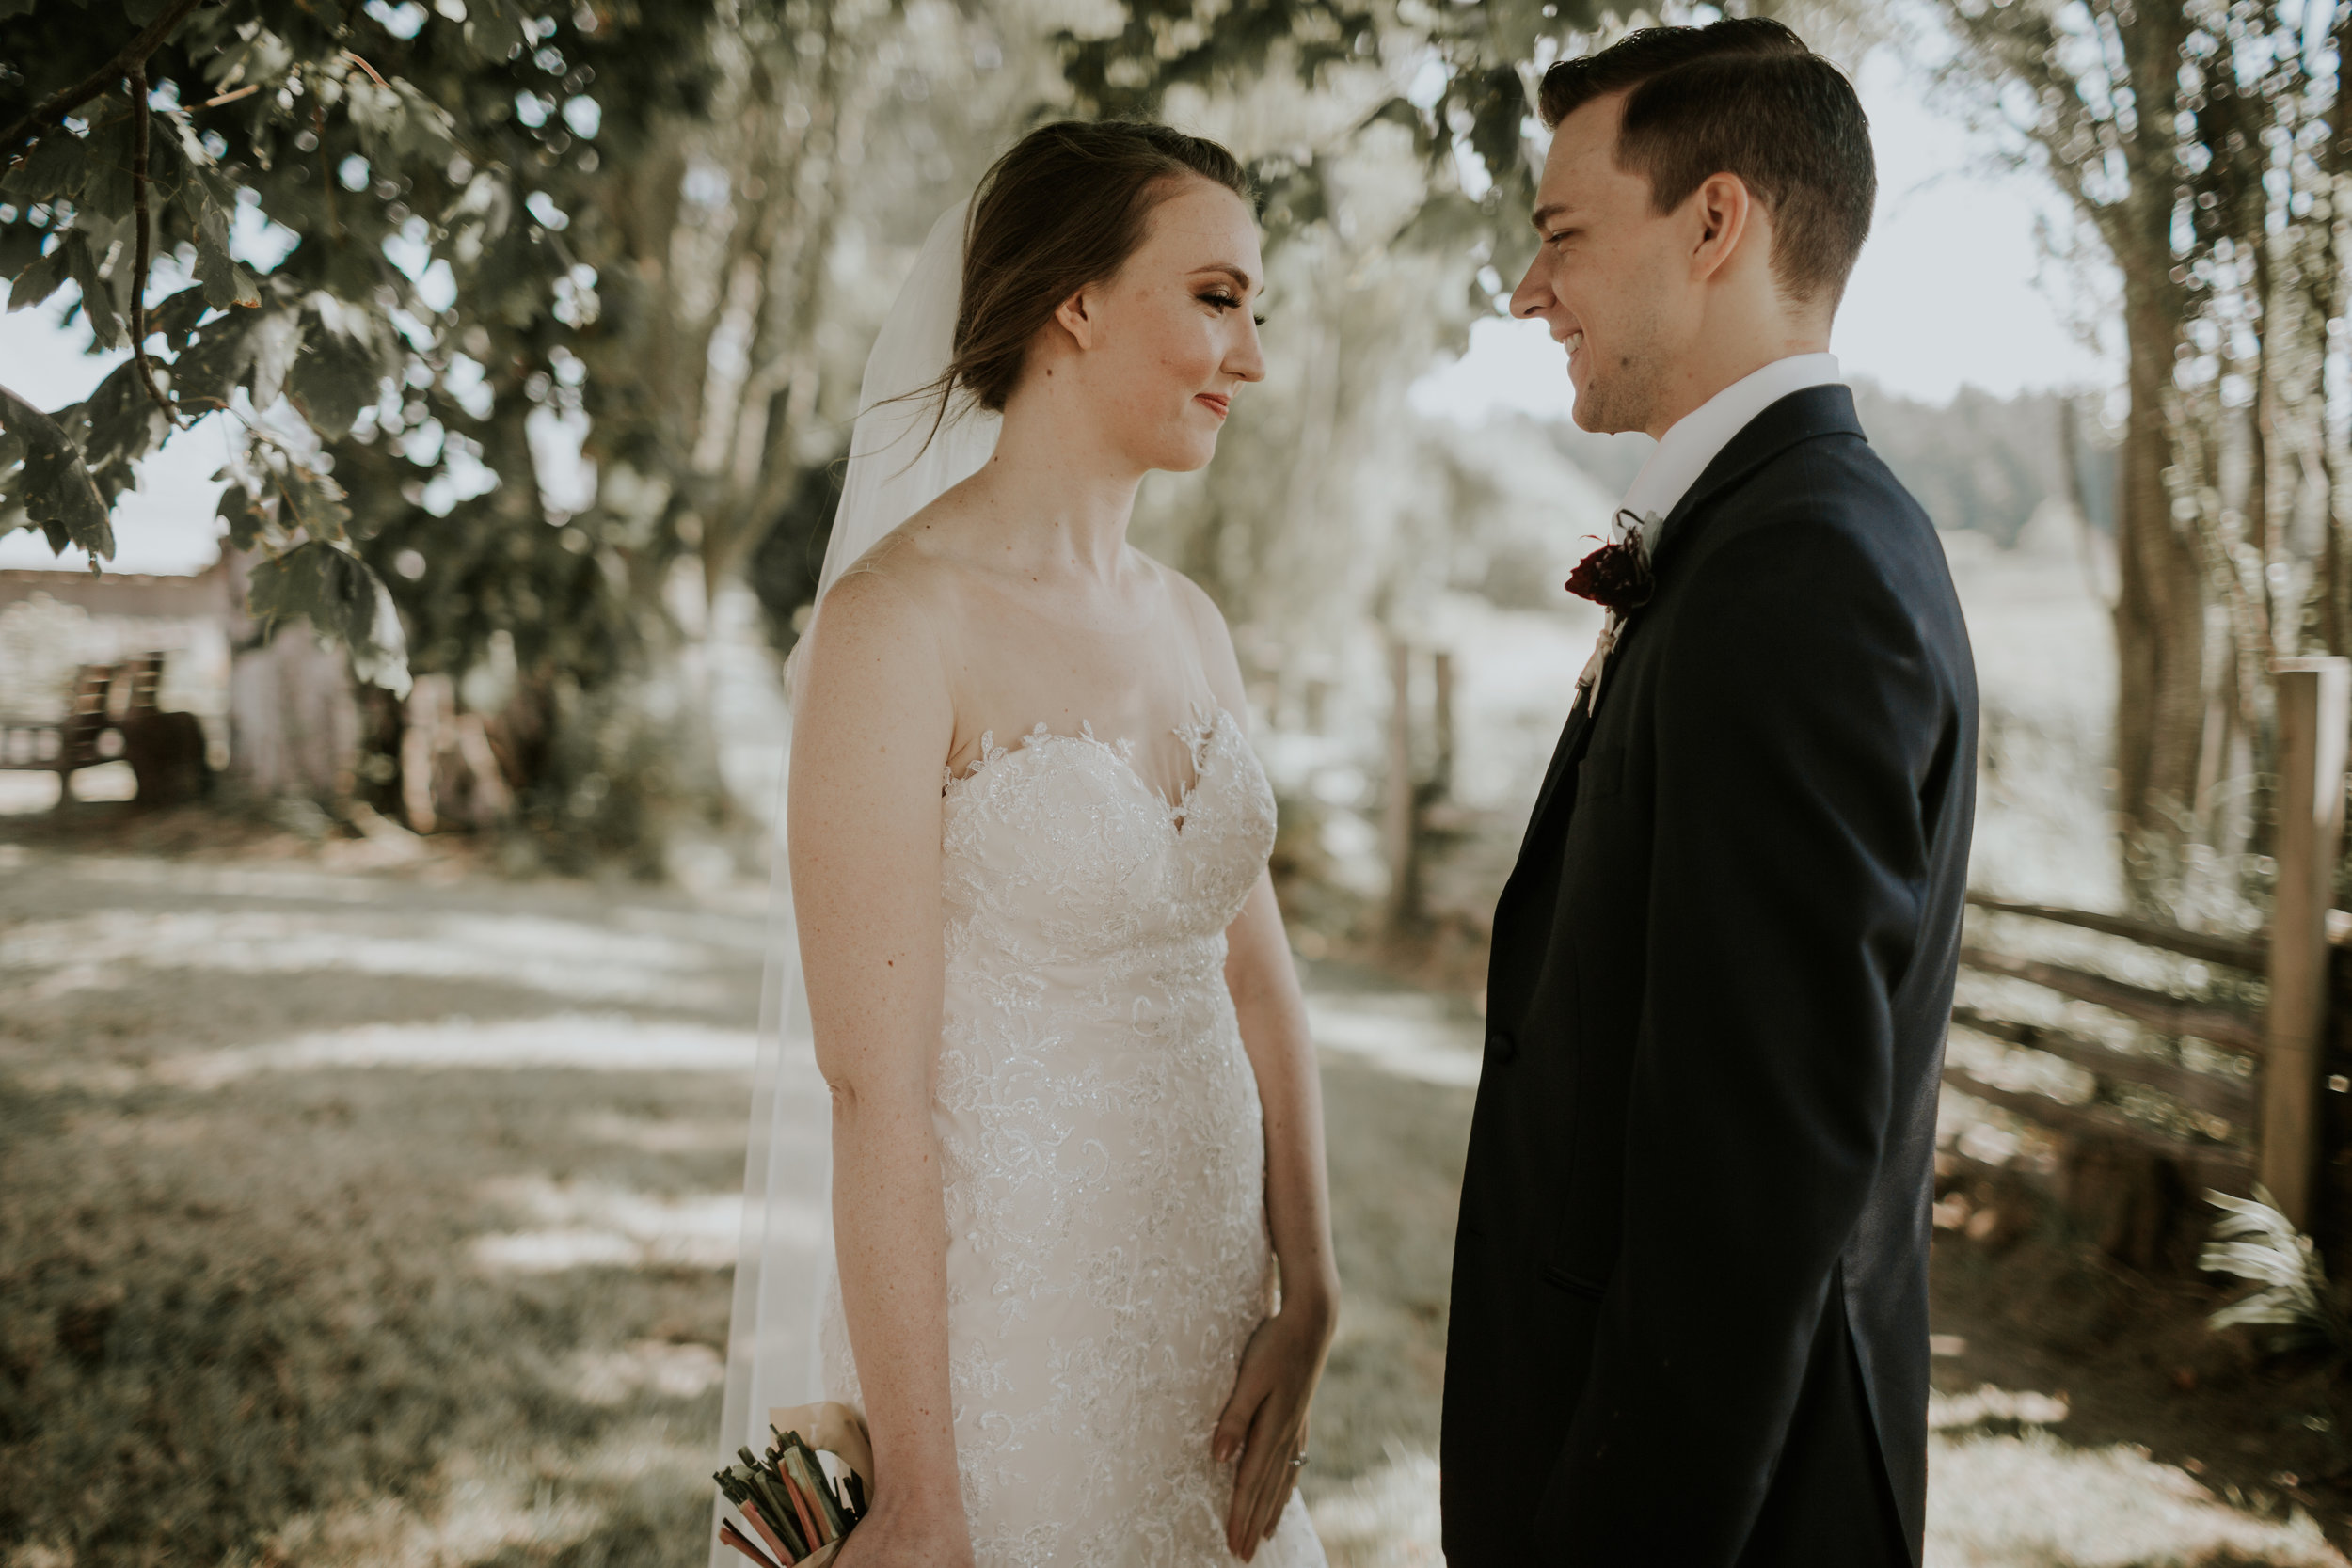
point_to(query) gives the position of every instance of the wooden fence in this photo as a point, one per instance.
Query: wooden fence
(2253, 1105)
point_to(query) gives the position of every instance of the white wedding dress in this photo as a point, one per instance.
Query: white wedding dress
(1104, 1152)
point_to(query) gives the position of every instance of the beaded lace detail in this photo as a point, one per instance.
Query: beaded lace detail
(1104, 1151)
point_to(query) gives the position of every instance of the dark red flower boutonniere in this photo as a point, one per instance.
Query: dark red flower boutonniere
(1617, 576)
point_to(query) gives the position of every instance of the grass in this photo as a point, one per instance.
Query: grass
(246, 1331)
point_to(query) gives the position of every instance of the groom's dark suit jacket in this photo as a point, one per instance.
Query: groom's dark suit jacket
(1690, 1307)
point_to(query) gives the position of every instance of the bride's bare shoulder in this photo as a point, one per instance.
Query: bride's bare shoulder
(1193, 598)
(1210, 633)
(906, 573)
(889, 621)
(878, 622)
(917, 564)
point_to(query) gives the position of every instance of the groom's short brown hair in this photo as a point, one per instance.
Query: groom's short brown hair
(1742, 97)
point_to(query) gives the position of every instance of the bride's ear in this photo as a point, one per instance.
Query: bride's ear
(1076, 316)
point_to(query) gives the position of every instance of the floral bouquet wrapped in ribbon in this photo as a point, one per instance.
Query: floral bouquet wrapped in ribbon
(800, 1510)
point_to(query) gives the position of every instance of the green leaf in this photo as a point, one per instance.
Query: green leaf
(106, 193)
(312, 501)
(397, 121)
(97, 301)
(56, 488)
(20, 246)
(59, 163)
(177, 316)
(1401, 111)
(1291, 195)
(37, 282)
(276, 493)
(339, 370)
(216, 360)
(335, 591)
(1447, 220)
(246, 521)
(494, 29)
(1497, 101)
(121, 424)
(426, 130)
(276, 337)
(190, 142)
(225, 283)
(263, 58)
(165, 168)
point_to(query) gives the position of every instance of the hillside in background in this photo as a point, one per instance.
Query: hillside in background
(1978, 461)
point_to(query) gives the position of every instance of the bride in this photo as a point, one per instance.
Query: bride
(1085, 1274)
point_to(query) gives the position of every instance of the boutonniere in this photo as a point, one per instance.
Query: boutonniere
(1616, 575)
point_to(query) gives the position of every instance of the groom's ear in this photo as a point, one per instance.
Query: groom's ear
(1725, 209)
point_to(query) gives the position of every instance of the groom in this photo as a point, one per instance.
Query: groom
(1690, 1312)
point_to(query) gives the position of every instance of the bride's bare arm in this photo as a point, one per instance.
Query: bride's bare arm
(868, 739)
(1274, 1031)
(1264, 1422)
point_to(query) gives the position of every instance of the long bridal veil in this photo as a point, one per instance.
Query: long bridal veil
(784, 1259)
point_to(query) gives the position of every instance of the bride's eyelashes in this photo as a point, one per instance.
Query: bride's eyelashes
(1227, 302)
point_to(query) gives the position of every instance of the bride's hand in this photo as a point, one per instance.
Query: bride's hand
(1265, 1422)
(933, 1538)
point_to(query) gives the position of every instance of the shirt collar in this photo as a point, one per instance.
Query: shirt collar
(1692, 442)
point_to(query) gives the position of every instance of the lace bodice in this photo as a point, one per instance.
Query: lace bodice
(1103, 1151)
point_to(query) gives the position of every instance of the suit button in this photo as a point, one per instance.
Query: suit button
(1502, 1044)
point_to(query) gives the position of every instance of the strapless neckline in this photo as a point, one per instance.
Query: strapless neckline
(1210, 721)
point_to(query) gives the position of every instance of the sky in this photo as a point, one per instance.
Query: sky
(1951, 292)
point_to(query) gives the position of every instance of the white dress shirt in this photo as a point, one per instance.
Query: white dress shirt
(1692, 442)
(1683, 453)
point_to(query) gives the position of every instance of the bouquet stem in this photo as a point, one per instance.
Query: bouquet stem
(784, 1553)
(733, 1537)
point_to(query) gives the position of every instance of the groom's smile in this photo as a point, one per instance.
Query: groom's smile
(1610, 260)
(1598, 259)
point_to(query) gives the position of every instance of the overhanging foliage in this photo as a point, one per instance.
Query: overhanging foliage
(415, 169)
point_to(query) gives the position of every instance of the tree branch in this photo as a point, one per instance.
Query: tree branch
(131, 57)
(140, 266)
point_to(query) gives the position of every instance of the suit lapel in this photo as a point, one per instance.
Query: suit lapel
(1570, 734)
(1815, 411)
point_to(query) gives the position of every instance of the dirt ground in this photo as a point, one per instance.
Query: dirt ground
(359, 1206)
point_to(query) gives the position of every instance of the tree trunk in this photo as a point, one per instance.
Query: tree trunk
(1399, 817)
(2259, 427)
(2160, 605)
(2335, 167)
(293, 725)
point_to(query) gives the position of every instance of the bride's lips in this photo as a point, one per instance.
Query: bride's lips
(1217, 403)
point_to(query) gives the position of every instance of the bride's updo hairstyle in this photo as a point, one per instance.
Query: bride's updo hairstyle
(1065, 208)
